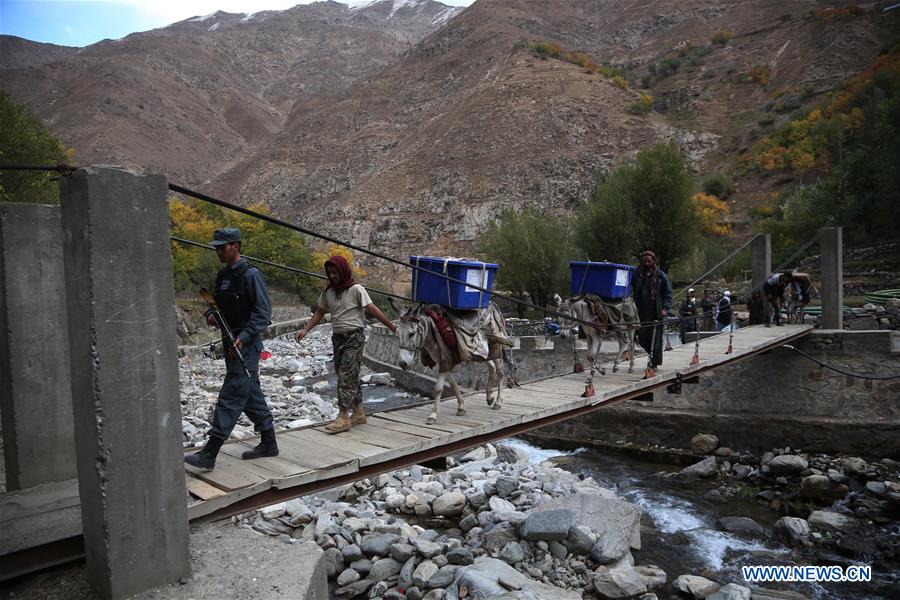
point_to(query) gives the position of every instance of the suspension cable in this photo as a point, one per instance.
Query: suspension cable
(798, 252)
(61, 169)
(841, 371)
(719, 264)
(285, 267)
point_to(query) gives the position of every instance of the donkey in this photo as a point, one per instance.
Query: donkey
(774, 289)
(624, 332)
(419, 338)
(798, 296)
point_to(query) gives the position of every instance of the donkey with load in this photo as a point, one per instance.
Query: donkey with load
(454, 323)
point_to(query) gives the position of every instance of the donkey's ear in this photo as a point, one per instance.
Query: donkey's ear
(557, 299)
(419, 310)
(400, 309)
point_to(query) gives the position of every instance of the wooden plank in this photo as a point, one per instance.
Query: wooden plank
(335, 442)
(202, 489)
(314, 455)
(275, 466)
(206, 507)
(474, 417)
(378, 437)
(413, 421)
(336, 470)
(387, 426)
(230, 474)
(459, 425)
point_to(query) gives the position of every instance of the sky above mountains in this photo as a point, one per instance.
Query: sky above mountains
(84, 22)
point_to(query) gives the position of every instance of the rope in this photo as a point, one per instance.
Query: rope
(61, 169)
(285, 267)
(719, 264)
(841, 371)
(798, 252)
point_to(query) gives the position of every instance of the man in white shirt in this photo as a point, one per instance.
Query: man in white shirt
(347, 302)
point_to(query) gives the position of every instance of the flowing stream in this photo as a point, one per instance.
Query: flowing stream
(679, 530)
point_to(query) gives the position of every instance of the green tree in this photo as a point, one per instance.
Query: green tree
(25, 140)
(718, 184)
(195, 220)
(643, 205)
(843, 154)
(532, 251)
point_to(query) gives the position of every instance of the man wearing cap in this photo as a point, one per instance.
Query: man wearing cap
(723, 318)
(688, 312)
(652, 294)
(243, 300)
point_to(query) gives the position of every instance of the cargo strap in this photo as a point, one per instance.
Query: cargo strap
(447, 279)
(587, 267)
(482, 285)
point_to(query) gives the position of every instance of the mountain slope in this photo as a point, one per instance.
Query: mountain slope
(191, 99)
(469, 122)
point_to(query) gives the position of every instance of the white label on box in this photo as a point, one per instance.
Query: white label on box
(621, 278)
(476, 277)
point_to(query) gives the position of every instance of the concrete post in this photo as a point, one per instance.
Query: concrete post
(123, 351)
(761, 258)
(832, 250)
(35, 397)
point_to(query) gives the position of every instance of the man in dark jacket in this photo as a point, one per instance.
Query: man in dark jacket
(243, 300)
(652, 294)
(688, 313)
(723, 319)
(707, 305)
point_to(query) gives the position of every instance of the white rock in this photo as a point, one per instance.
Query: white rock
(273, 511)
(695, 586)
(500, 505)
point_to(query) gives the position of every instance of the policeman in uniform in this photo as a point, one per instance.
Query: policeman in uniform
(243, 300)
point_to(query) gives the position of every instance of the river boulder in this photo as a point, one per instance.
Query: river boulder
(704, 443)
(490, 578)
(695, 586)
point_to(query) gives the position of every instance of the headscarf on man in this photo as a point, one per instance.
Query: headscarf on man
(649, 272)
(346, 274)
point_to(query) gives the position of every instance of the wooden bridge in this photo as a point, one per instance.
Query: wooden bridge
(311, 460)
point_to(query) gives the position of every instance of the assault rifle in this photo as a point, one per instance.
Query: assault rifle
(223, 326)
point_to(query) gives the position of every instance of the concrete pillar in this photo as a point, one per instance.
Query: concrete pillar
(35, 397)
(832, 250)
(123, 351)
(761, 258)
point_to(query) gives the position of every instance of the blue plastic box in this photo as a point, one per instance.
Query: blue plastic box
(607, 280)
(434, 289)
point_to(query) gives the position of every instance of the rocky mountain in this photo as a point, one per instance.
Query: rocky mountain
(407, 126)
(19, 53)
(196, 97)
(474, 119)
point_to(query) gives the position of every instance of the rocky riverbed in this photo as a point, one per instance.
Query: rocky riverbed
(502, 522)
(297, 379)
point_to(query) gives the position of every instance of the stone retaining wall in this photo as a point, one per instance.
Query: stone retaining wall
(773, 399)
(534, 357)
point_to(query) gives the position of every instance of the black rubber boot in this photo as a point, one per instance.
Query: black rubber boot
(206, 458)
(266, 447)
